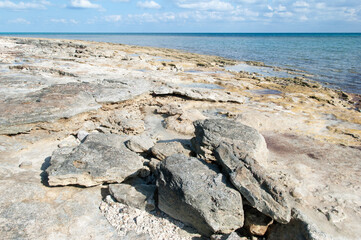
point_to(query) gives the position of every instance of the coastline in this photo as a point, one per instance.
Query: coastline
(52, 89)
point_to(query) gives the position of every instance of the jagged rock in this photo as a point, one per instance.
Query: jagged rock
(140, 196)
(198, 194)
(101, 158)
(255, 222)
(139, 144)
(245, 140)
(251, 179)
(82, 135)
(161, 150)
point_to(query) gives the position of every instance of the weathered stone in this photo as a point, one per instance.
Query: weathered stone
(198, 194)
(232, 236)
(255, 222)
(82, 135)
(153, 164)
(101, 158)
(183, 123)
(69, 141)
(261, 191)
(246, 141)
(161, 150)
(140, 196)
(139, 144)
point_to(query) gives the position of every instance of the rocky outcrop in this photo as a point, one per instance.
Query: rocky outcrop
(101, 158)
(198, 194)
(140, 196)
(246, 141)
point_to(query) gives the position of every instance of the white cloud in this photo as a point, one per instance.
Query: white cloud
(113, 18)
(19, 21)
(301, 4)
(148, 4)
(83, 4)
(24, 5)
(214, 5)
(64, 21)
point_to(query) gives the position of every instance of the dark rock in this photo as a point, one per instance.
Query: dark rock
(101, 158)
(196, 193)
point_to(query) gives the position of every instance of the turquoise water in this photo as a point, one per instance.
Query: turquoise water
(332, 58)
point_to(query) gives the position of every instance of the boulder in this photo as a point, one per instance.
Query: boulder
(101, 158)
(247, 141)
(261, 191)
(139, 144)
(161, 150)
(140, 196)
(196, 193)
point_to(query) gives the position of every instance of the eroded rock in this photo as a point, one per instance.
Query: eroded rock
(139, 144)
(101, 158)
(161, 150)
(198, 194)
(246, 141)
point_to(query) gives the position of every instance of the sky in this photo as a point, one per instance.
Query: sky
(180, 16)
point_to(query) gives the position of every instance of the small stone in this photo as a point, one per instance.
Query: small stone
(82, 135)
(26, 165)
(255, 222)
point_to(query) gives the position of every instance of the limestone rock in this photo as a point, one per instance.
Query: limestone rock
(183, 123)
(255, 222)
(139, 144)
(69, 141)
(161, 150)
(210, 133)
(101, 158)
(198, 194)
(261, 191)
(140, 196)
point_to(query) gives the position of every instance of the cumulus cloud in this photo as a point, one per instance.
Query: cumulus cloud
(113, 18)
(19, 21)
(83, 4)
(214, 5)
(148, 4)
(24, 5)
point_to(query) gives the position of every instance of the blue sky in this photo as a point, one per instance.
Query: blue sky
(180, 16)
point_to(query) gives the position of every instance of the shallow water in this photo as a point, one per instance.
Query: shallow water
(330, 58)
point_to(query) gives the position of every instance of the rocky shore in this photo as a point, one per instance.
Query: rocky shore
(109, 141)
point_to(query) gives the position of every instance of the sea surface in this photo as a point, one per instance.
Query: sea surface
(331, 58)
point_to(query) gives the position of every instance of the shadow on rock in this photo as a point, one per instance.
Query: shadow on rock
(44, 175)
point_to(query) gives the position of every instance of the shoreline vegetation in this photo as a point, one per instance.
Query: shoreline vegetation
(104, 140)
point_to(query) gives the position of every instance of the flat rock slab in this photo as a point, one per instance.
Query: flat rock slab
(246, 141)
(198, 194)
(101, 158)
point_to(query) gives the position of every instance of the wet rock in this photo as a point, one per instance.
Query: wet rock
(246, 141)
(255, 222)
(140, 196)
(261, 191)
(161, 150)
(196, 193)
(139, 144)
(101, 158)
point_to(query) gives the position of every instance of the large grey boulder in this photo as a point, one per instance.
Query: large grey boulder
(261, 191)
(247, 141)
(101, 158)
(140, 196)
(196, 193)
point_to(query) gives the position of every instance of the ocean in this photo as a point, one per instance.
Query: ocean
(331, 58)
